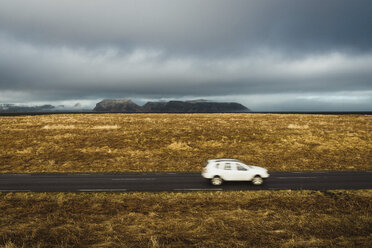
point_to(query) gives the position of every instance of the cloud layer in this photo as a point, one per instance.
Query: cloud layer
(291, 51)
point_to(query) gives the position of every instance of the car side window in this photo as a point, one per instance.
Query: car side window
(217, 166)
(241, 167)
(227, 166)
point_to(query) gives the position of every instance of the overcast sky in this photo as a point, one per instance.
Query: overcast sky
(270, 55)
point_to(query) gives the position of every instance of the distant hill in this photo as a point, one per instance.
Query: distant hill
(195, 106)
(126, 106)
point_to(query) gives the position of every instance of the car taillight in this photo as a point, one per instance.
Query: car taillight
(205, 170)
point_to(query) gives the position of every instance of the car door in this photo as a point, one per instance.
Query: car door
(234, 173)
(227, 173)
(243, 173)
(238, 172)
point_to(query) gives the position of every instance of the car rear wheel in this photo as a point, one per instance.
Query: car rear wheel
(257, 180)
(216, 181)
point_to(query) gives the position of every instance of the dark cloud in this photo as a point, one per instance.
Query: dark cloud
(193, 26)
(97, 49)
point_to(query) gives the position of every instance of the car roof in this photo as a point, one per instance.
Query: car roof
(224, 160)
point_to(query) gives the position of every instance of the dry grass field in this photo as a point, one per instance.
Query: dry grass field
(183, 142)
(199, 219)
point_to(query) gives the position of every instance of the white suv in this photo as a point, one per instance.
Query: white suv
(219, 170)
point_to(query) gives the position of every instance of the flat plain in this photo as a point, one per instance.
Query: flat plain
(197, 219)
(183, 142)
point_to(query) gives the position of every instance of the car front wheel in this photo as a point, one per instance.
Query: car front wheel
(257, 180)
(216, 181)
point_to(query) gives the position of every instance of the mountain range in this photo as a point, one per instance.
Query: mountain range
(195, 106)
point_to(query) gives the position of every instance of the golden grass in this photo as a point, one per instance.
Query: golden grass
(183, 142)
(58, 127)
(106, 127)
(199, 219)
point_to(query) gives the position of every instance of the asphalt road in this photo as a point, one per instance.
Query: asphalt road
(179, 182)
